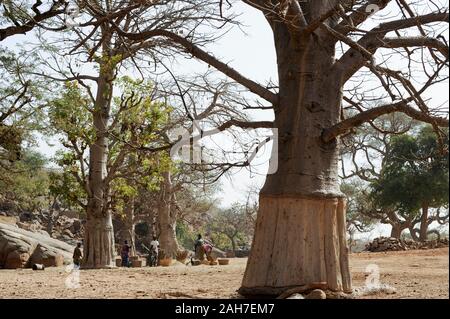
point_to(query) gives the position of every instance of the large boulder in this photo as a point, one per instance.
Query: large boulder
(16, 259)
(20, 248)
(30, 226)
(47, 256)
(8, 219)
(217, 253)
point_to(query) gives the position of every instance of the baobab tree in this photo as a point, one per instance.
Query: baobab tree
(321, 47)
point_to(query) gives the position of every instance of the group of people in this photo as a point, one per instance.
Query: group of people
(152, 257)
(202, 248)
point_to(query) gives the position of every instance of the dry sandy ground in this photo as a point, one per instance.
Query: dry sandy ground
(414, 274)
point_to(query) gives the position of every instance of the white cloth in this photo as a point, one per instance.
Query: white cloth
(154, 245)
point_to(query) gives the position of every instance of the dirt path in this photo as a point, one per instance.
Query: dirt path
(414, 274)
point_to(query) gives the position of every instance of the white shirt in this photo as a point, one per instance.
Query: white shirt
(154, 245)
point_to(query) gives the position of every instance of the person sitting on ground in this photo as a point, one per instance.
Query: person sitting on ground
(208, 248)
(125, 254)
(203, 247)
(77, 255)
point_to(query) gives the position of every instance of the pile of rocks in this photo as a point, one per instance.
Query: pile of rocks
(67, 228)
(393, 244)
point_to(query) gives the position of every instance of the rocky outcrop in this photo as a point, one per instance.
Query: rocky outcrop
(20, 248)
(48, 256)
(217, 253)
(68, 230)
(393, 244)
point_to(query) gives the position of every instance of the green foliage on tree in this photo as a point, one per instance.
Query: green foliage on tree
(358, 201)
(415, 173)
(67, 190)
(25, 184)
(231, 228)
(186, 235)
(135, 131)
(20, 112)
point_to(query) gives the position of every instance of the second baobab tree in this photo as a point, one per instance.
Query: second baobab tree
(324, 48)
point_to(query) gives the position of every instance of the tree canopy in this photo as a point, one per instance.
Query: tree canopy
(415, 173)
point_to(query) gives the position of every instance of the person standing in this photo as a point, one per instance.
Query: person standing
(198, 247)
(154, 251)
(77, 255)
(125, 254)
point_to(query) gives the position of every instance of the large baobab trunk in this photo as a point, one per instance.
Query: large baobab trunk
(167, 219)
(300, 235)
(99, 235)
(129, 233)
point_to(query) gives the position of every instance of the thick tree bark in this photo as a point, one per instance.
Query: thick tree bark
(99, 249)
(129, 229)
(306, 244)
(167, 221)
(233, 243)
(99, 242)
(423, 231)
(398, 225)
(397, 230)
(300, 235)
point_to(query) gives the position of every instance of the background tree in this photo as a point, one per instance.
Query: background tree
(234, 224)
(364, 154)
(414, 178)
(358, 202)
(21, 108)
(22, 170)
(25, 185)
(133, 128)
(195, 201)
(367, 153)
(21, 17)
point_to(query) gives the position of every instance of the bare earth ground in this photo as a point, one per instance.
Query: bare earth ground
(414, 274)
